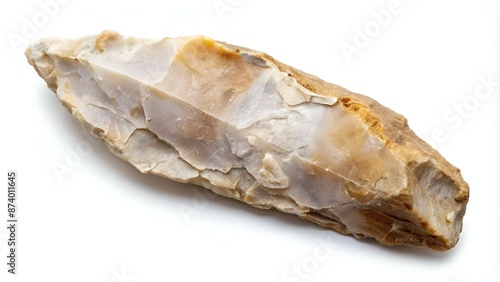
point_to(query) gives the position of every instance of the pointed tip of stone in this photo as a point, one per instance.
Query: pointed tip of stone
(36, 53)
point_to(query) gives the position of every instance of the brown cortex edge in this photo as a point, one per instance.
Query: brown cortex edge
(407, 234)
(105, 36)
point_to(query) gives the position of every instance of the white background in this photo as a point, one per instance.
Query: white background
(104, 221)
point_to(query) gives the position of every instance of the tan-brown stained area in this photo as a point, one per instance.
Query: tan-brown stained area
(219, 76)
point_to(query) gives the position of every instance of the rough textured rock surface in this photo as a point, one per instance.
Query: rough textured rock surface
(246, 126)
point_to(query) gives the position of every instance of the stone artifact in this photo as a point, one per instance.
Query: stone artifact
(248, 127)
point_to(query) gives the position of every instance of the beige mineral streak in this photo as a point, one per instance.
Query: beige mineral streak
(246, 126)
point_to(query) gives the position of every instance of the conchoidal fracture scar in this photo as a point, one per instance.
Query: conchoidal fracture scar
(248, 127)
